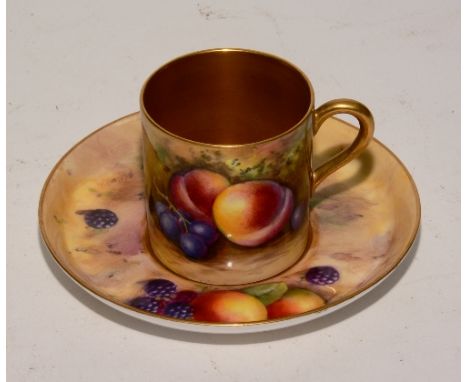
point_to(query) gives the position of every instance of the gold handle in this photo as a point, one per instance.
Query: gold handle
(366, 129)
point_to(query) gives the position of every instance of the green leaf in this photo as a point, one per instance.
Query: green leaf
(267, 293)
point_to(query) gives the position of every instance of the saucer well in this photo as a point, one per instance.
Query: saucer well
(92, 219)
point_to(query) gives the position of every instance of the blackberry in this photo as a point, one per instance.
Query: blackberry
(160, 289)
(99, 218)
(180, 310)
(323, 275)
(148, 304)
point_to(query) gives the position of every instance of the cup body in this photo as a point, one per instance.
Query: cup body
(226, 145)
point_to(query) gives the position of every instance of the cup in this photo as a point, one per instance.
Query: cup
(227, 146)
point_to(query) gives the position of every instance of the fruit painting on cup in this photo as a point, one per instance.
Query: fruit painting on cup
(216, 214)
(203, 206)
(228, 138)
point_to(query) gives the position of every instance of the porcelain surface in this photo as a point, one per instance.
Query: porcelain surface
(92, 215)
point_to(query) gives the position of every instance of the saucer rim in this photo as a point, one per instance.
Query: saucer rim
(124, 307)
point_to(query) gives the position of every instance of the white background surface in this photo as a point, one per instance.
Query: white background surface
(76, 65)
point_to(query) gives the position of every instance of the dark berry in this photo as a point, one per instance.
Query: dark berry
(149, 304)
(185, 215)
(99, 218)
(206, 231)
(180, 310)
(183, 219)
(193, 246)
(323, 275)
(160, 208)
(298, 215)
(185, 296)
(169, 223)
(160, 289)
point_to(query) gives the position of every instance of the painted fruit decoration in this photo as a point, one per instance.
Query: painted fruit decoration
(295, 301)
(252, 304)
(228, 306)
(254, 212)
(196, 191)
(193, 237)
(203, 204)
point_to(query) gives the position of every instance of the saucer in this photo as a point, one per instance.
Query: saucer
(365, 218)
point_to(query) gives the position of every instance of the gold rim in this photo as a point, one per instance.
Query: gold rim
(251, 51)
(91, 289)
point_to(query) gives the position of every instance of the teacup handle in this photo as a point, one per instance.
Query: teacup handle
(366, 130)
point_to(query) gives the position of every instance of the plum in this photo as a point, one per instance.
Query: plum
(195, 191)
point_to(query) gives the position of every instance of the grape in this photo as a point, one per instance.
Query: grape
(185, 215)
(206, 231)
(160, 208)
(323, 275)
(169, 223)
(193, 246)
(183, 218)
(160, 289)
(298, 215)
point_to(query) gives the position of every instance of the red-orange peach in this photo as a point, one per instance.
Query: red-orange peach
(253, 212)
(295, 301)
(195, 192)
(228, 306)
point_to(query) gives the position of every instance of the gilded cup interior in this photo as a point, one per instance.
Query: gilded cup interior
(227, 96)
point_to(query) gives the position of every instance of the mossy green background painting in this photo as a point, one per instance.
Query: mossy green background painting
(275, 160)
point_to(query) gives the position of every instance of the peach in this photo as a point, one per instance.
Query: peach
(295, 301)
(228, 306)
(253, 212)
(195, 192)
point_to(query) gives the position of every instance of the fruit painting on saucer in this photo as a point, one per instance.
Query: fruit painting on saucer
(257, 303)
(93, 218)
